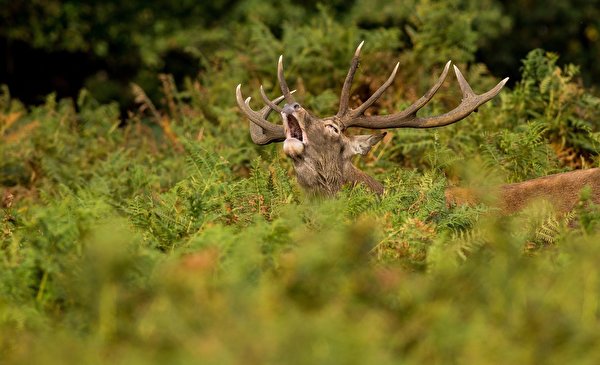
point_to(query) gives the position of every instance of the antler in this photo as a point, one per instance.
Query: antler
(408, 117)
(285, 90)
(261, 130)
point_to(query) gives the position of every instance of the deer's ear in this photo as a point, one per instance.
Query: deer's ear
(361, 145)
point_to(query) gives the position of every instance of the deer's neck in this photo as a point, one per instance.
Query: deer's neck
(323, 176)
(359, 177)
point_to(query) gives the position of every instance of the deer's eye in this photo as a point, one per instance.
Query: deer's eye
(333, 128)
(296, 106)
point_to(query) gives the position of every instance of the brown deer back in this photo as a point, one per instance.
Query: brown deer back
(561, 190)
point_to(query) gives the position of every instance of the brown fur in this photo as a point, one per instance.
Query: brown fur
(323, 162)
(561, 190)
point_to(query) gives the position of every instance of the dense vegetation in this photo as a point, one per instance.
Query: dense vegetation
(168, 237)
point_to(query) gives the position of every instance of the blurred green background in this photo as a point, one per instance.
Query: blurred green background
(61, 46)
(140, 225)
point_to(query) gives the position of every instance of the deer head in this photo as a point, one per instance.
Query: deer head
(320, 149)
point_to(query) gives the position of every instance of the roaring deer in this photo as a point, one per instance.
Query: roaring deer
(322, 152)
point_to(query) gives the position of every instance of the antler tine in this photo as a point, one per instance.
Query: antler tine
(410, 111)
(469, 104)
(408, 118)
(358, 118)
(256, 132)
(417, 105)
(364, 106)
(464, 85)
(266, 110)
(262, 131)
(285, 90)
(268, 101)
(345, 95)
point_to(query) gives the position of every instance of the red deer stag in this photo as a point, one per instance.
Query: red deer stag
(322, 152)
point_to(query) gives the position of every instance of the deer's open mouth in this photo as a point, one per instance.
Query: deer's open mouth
(294, 129)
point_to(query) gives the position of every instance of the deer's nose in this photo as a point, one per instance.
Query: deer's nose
(290, 108)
